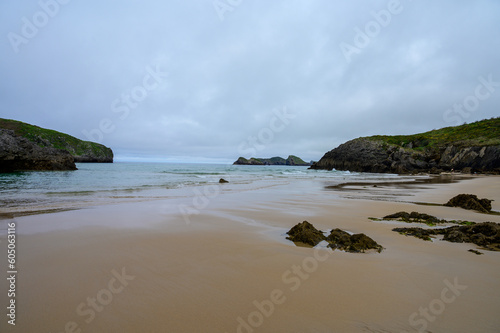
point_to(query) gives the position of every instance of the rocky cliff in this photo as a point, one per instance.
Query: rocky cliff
(19, 154)
(470, 148)
(291, 160)
(82, 151)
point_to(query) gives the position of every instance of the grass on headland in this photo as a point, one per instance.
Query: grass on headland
(481, 133)
(50, 138)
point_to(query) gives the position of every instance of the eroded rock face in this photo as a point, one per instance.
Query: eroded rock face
(471, 202)
(306, 233)
(365, 155)
(20, 154)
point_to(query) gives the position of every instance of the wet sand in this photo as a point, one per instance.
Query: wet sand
(225, 265)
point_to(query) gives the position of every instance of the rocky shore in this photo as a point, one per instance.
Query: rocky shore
(467, 148)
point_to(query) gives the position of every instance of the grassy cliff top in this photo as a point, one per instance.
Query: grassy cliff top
(50, 138)
(481, 133)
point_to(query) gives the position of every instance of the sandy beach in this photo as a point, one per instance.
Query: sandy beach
(221, 263)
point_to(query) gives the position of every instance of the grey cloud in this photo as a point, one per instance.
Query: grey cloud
(225, 78)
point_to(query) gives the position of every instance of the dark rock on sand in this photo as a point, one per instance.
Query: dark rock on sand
(470, 201)
(415, 217)
(339, 239)
(305, 233)
(223, 181)
(485, 234)
(421, 233)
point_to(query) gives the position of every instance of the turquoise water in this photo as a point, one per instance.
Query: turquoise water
(103, 183)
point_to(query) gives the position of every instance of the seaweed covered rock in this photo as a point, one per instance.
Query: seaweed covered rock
(471, 202)
(305, 233)
(421, 233)
(415, 217)
(339, 239)
(485, 234)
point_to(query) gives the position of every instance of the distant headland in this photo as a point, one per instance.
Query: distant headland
(291, 160)
(27, 147)
(468, 148)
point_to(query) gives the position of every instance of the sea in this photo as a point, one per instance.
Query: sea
(107, 183)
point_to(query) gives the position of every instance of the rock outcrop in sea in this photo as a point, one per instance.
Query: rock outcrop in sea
(18, 153)
(468, 148)
(291, 160)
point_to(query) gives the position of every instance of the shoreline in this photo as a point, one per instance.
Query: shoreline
(412, 181)
(208, 272)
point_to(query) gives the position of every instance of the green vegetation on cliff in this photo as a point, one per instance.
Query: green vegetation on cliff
(471, 148)
(82, 151)
(481, 133)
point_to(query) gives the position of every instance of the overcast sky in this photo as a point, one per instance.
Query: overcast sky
(209, 81)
